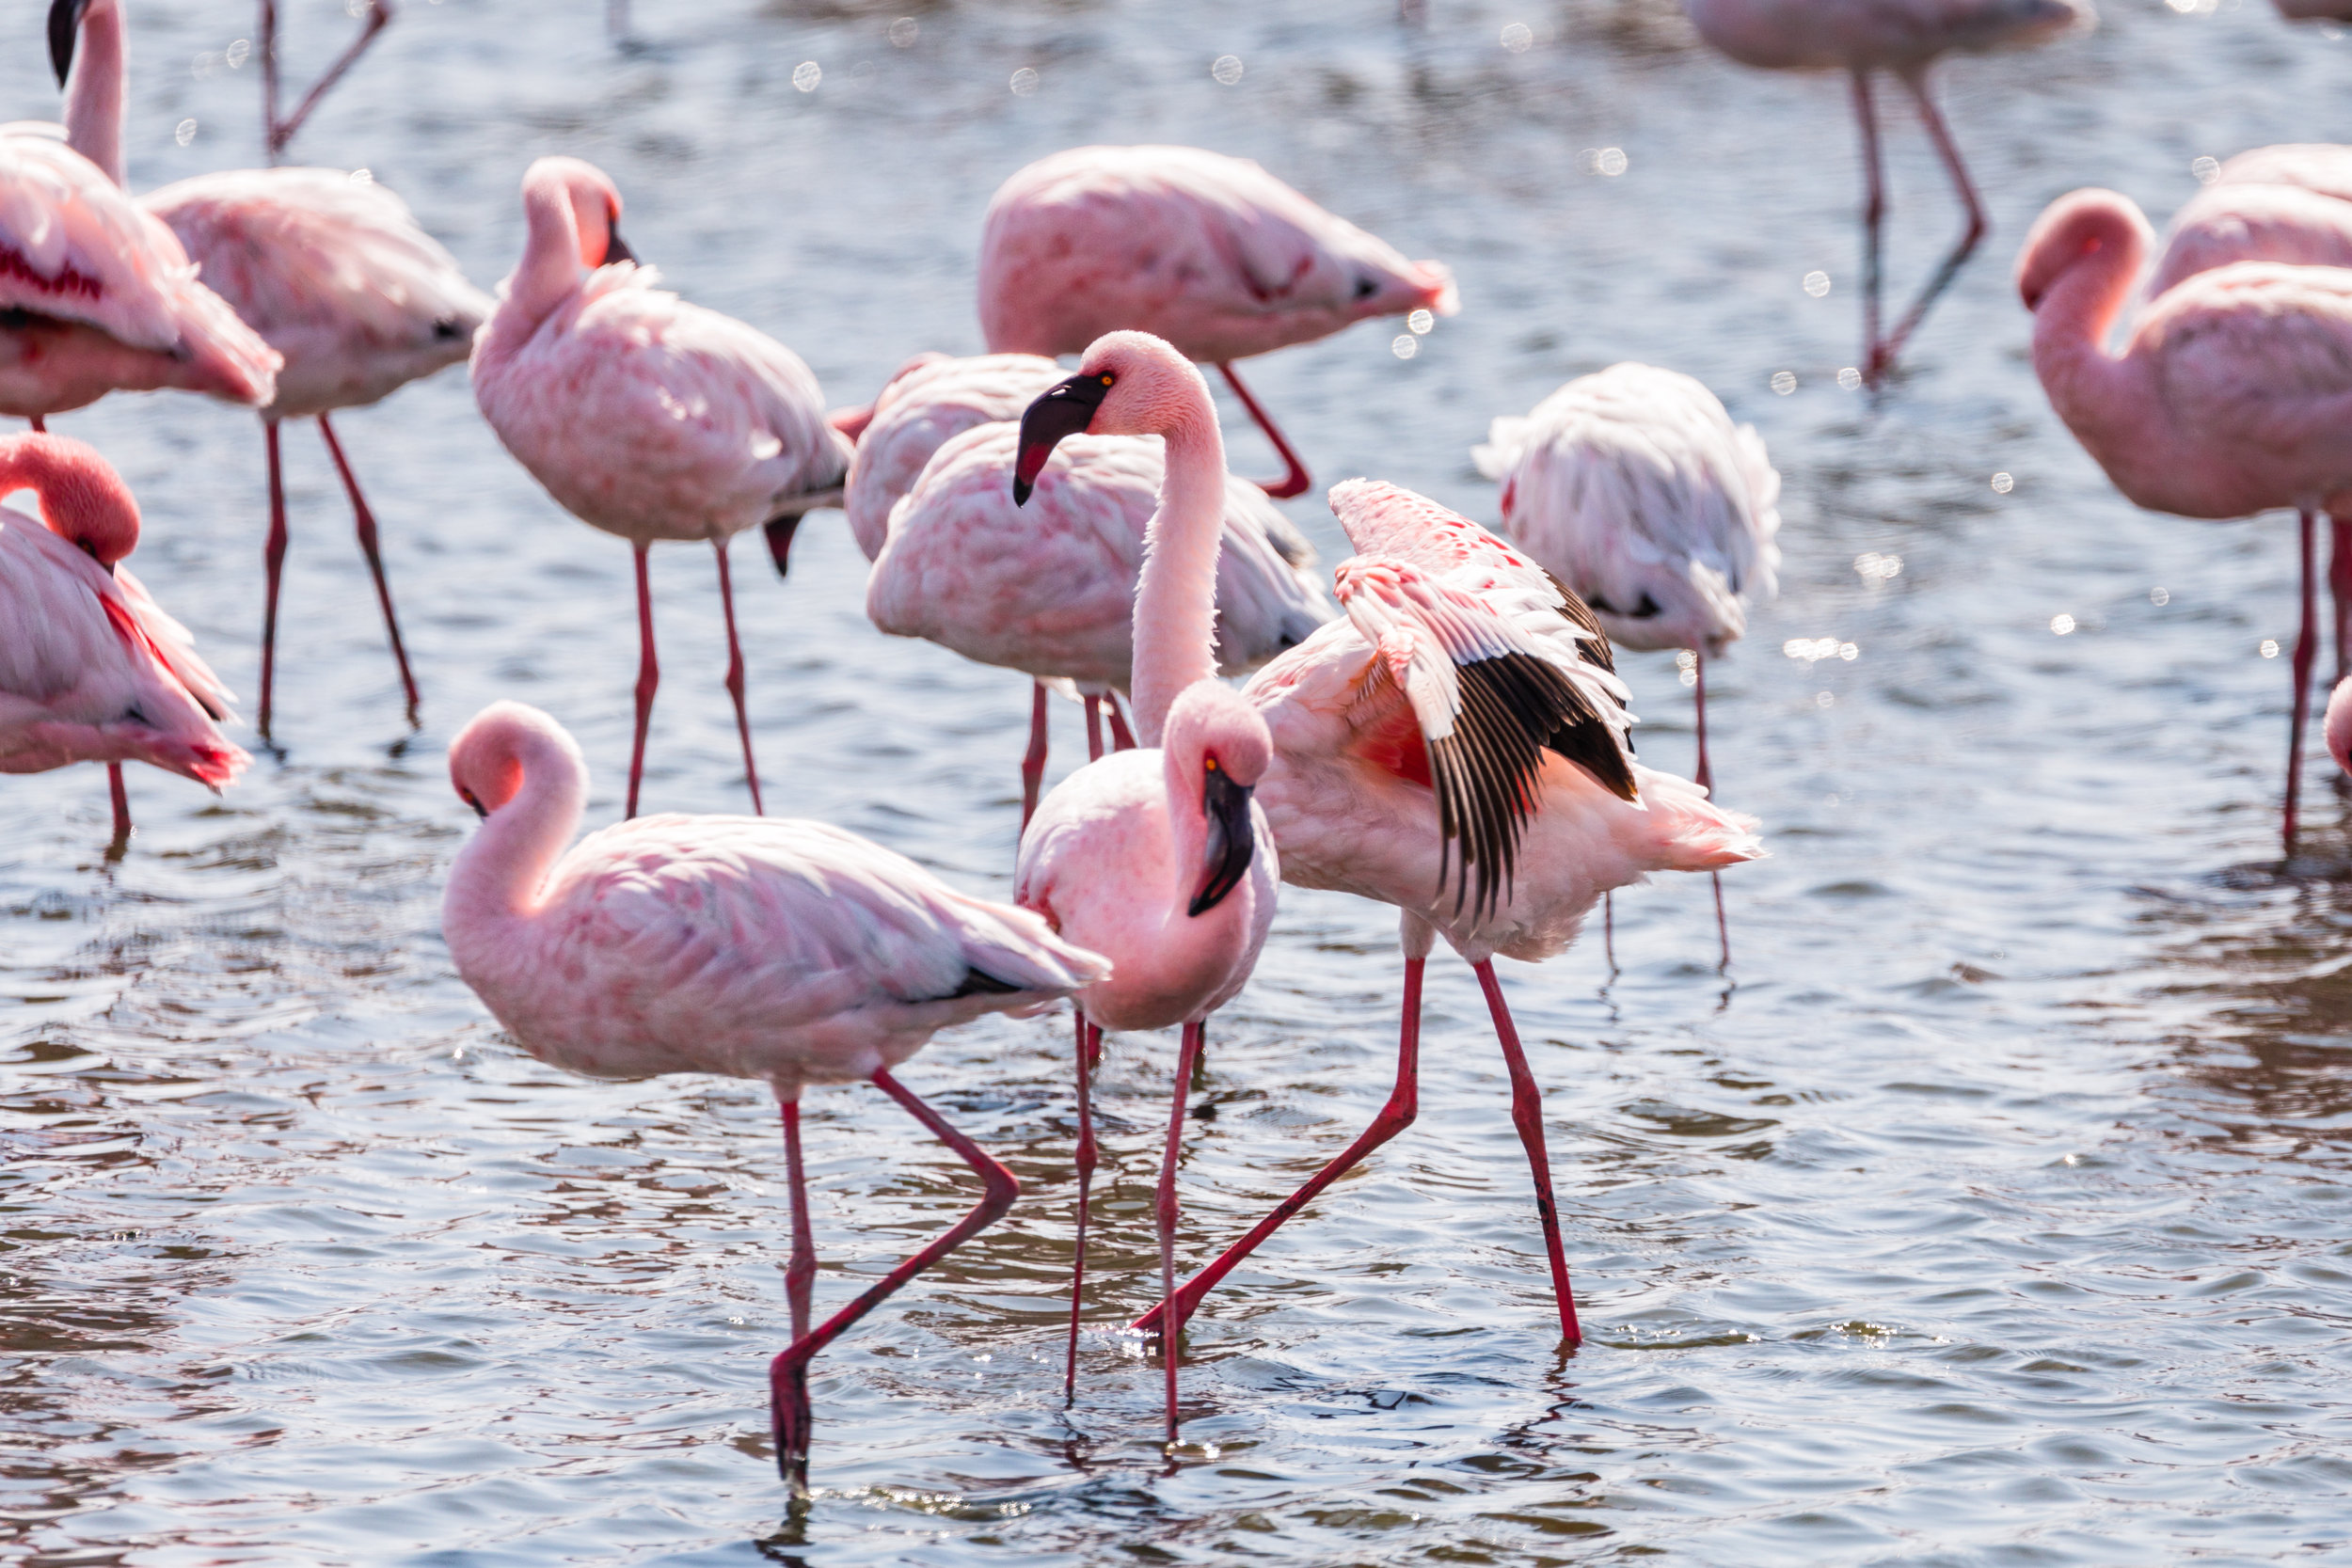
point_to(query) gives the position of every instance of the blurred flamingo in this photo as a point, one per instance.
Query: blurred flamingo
(90, 669)
(1633, 487)
(784, 950)
(276, 133)
(1158, 859)
(1212, 253)
(2338, 725)
(642, 415)
(1904, 37)
(2233, 393)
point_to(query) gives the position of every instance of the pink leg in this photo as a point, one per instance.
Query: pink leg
(273, 566)
(278, 133)
(1187, 1058)
(2340, 588)
(1123, 738)
(788, 1375)
(1707, 782)
(364, 521)
(121, 802)
(1033, 765)
(1094, 727)
(1609, 929)
(735, 677)
(1088, 1043)
(801, 1273)
(2306, 650)
(648, 679)
(1527, 1115)
(1397, 1116)
(1292, 483)
(40, 424)
(1969, 238)
(1874, 359)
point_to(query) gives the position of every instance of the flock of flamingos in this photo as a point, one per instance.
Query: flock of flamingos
(1452, 739)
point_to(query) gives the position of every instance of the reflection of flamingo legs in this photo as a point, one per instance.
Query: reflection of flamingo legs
(1296, 481)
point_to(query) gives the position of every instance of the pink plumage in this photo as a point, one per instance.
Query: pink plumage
(930, 400)
(2338, 724)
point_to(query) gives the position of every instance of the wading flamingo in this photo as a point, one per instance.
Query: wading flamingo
(1158, 859)
(1904, 37)
(1212, 253)
(276, 133)
(1633, 487)
(90, 669)
(642, 415)
(335, 274)
(1049, 588)
(1454, 748)
(2233, 393)
(784, 950)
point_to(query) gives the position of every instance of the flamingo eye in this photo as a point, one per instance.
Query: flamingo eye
(1366, 288)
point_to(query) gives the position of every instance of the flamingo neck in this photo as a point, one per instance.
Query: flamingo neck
(550, 272)
(93, 91)
(86, 508)
(2103, 399)
(499, 881)
(1175, 639)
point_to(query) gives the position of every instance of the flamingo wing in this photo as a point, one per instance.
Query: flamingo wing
(2260, 354)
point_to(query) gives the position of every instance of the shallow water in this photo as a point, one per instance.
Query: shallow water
(1992, 1208)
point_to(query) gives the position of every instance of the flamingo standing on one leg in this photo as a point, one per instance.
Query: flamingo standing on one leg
(755, 947)
(90, 669)
(1633, 487)
(1049, 589)
(2233, 393)
(642, 415)
(1904, 37)
(1158, 859)
(1212, 253)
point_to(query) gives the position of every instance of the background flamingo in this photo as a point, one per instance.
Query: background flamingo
(1212, 253)
(276, 133)
(2233, 393)
(1157, 858)
(1904, 37)
(789, 951)
(642, 415)
(1633, 487)
(2337, 726)
(90, 669)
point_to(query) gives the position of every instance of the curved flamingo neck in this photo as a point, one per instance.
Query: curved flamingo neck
(550, 271)
(82, 500)
(2102, 398)
(500, 876)
(1175, 634)
(93, 90)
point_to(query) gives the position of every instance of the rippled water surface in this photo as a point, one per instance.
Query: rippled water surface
(1992, 1208)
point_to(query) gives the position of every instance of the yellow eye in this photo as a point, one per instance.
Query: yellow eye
(1210, 765)
(1106, 381)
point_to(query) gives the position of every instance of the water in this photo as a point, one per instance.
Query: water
(1993, 1211)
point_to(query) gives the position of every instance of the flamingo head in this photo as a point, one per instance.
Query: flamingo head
(2076, 228)
(83, 499)
(1128, 384)
(594, 202)
(1217, 743)
(486, 760)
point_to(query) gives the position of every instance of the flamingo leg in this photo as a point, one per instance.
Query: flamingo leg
(1707, 782)
(121, 802)
(787, 1374)
(735, 676)
(1123, 738)
(648, 676)
(2340, 588)
(1970, 237)
(1094, 727)
(363, 521)
(1088, 1158)
(1609, 929)
(278, 133)
(273, 569)
(801, 1273)
(1394, 1117)
(2306, 651)
(1187, 1058)
(1527, 1115)
(1873, 221)
(1033, 765)
(41, 425)
(1292, 483)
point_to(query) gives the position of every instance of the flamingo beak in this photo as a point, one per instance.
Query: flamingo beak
(1065, 408)
(1231, 842)
(616, 250)
(479, 809)
(65, 25)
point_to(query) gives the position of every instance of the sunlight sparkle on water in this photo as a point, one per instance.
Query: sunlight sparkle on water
(2003, 484)
(184, 131)
(2159, 597)
(1518, 37)
(1876, 568)
(1784, 382)
(904, 31)
(806, 75)
(1227, 69)
(1850, 378)
(1024, 82)
(1420, 322)
(2206, 169)
(2061, 623)
(1817, 283)
(1404, 345)
(2270, 647)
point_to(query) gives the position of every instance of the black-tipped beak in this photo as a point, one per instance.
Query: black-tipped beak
(1232, 839)
(65, 26)
(479, 809)
(1065, 408)
(616, 248)
(780, 533)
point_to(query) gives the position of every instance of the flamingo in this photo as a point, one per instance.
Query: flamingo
(749, 946)
(1158, 859)
(1633, 487)
(331, 270)
(1453, 747)
(91, 669)
(1905, 38)
(642, 415)
(2233, 393)
(2338, 724)
(1212, 253)
(276, 133)
(1049, 589)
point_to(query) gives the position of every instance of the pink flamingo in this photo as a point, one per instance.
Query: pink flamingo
(1454, 747)
(2338, 724)
(753, 948)
(642, 415)
(90, 669)
(1049, 589)
(1212, 253)
(2233, 393)
(1633, 487)
(1156, 858)
(1905, 38)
